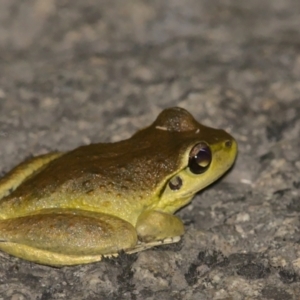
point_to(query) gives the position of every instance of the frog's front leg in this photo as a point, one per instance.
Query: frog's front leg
(66, 236)
(156, 228)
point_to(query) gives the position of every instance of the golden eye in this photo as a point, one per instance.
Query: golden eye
(200, 158)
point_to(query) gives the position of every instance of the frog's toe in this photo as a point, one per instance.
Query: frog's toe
(144, 246)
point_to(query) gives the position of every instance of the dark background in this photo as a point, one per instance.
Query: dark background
(76, 72)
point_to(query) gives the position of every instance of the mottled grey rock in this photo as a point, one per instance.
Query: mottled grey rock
(76, 72)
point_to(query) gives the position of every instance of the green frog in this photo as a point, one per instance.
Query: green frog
(97, 200)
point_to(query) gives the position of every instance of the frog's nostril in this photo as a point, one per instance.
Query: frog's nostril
(228, 143)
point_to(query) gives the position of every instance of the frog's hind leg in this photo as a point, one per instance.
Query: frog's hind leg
(66, 237)
(23, 171)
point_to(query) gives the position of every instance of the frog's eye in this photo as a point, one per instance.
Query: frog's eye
(200, 158)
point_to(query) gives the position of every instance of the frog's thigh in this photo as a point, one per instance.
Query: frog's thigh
(60, 237)
(155, 225)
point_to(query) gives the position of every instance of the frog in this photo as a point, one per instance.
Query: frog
(102, 199)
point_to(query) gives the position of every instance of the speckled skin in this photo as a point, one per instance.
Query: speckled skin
(99, 199)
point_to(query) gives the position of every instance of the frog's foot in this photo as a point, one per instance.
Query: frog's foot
(157, 228)
(141, 246)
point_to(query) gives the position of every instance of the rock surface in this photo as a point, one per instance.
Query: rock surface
(76, 72)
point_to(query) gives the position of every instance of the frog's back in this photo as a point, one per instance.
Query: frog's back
(100, 177)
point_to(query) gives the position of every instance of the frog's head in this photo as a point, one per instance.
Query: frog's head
(196, 155)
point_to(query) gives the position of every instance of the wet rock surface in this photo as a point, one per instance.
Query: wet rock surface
(77, 72)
